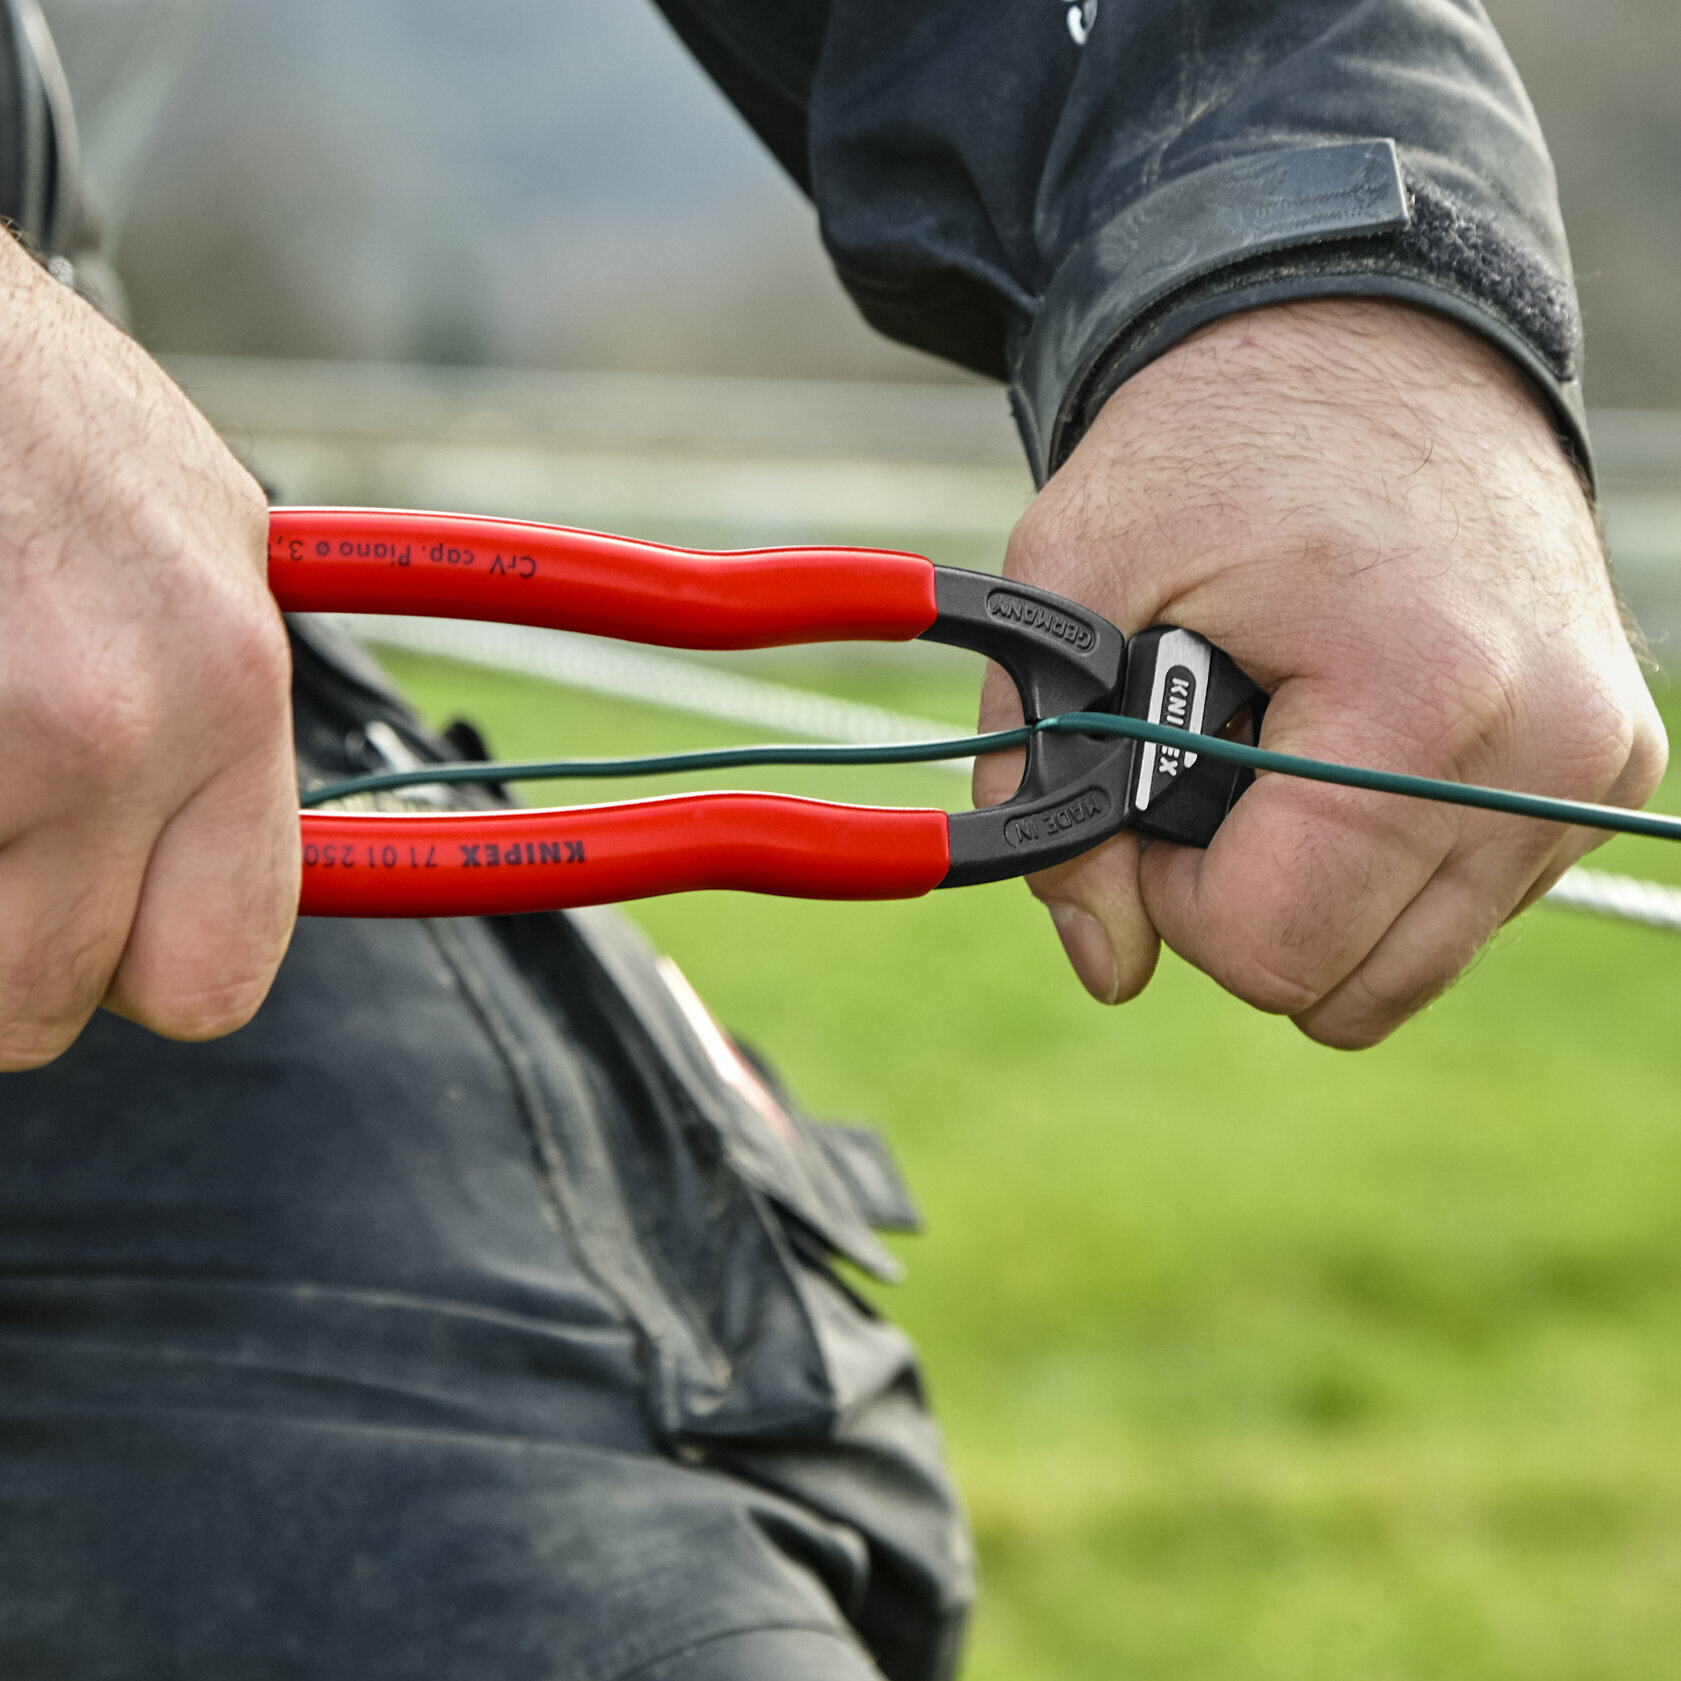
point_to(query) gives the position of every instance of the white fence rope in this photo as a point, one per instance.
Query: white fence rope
(1624, 897)
(655, 679)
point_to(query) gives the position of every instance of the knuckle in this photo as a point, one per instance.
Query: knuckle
(92, 717)
(206, 1012)
(26, 1048)
(1648, 760)
(103, 734)
(1466, 701)
(1341, 1035)
(33, 1037)
(253, 664)
(1649, 768)
(46, 997)
(1357, 1024)
(1376, 999)
(1480, 709)
(1285, 954)
(206, 985)
(1276, 982)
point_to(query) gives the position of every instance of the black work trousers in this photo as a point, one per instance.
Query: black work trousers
(469, 1315)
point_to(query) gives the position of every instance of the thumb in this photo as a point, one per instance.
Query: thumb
(1093, 899)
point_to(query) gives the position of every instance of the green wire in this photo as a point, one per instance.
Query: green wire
(664, 764)
(1617, 819)
(1613, 818)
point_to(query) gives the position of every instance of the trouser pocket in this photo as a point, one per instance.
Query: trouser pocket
(772, 1368)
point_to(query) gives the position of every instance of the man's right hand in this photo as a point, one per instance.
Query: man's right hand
(148, 800)
(1368, 507)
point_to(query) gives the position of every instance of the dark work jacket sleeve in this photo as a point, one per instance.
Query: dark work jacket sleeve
(1055, 191)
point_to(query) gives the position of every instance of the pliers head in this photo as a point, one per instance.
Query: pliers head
(1076, 790)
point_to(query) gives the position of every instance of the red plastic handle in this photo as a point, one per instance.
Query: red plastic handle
(358, 560)
(490, 863)
(486, 863)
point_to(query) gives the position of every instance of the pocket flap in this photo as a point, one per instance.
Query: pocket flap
(861, 1156)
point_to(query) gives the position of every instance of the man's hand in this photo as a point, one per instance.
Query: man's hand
(1367, 508)
(148, 802)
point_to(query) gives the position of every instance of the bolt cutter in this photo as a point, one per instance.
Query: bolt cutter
(1076, 790)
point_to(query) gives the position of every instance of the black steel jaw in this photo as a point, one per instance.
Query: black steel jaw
(1079, 790)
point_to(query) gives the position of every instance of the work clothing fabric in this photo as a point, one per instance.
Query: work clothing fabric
(1054, 192)
(470, 1314)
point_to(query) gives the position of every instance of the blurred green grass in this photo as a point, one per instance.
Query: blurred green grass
(1256, 1360)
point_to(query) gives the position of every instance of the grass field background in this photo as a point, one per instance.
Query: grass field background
(1256, 1360)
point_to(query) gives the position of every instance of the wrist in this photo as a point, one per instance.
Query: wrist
(1308, 439)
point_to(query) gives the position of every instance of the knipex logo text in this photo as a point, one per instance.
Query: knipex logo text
(1046, 825)
(488, 854)
(1033, 615)
(1179, 695)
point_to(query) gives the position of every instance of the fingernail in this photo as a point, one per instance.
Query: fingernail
(1088, 950)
